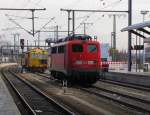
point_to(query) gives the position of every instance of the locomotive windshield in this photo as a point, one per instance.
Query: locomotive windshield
(54, 50)
(92, 48)
(40, 56)
(77, 48)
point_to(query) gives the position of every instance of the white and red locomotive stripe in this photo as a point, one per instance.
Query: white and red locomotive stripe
(112, 62)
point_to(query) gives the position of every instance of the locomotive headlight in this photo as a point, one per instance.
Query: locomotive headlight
(78, 62)
(91, 62)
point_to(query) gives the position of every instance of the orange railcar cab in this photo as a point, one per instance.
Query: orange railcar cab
(76, 60)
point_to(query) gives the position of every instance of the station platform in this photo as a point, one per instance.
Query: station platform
(146, 74)
(7, 105)
(133, 72)
(137, 78)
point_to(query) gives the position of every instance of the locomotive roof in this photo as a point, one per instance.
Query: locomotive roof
(37, 50)
(73, 38)
(74, 41)
(79, 37)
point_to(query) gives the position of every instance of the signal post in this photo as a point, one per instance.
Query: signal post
(22, 48)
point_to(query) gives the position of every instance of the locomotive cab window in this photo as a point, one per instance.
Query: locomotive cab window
(92, 48)
(61, 49)
(77, 48)
(54, 50)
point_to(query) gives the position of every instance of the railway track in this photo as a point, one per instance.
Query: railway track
(44, 75)
(138, 104)
(35, 101)
(139, 87)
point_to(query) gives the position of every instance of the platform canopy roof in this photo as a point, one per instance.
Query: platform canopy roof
(138, 28)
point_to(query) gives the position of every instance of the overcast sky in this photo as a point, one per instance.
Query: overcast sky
(102, 22)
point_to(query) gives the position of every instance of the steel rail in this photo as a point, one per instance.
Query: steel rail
(123, 95)
(43, 75)
(128, 101)
(24, 102)
(60, 107)
(130, 85)
(48, 99)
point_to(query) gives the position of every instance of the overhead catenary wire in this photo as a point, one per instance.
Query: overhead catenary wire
(21, 17)
(37, 4)
(113, 4)
(38, 1)
(73, 4)
(52, 19)
(24, 5)
(29, 2)
(90, 14)
(82, 22)
(18, 24)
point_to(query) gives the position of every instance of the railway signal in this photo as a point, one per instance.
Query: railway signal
(22, 43)
(22, 47)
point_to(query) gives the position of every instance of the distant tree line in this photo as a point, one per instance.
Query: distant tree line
(118, 55)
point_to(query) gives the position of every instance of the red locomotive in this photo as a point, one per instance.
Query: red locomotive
(76, 58)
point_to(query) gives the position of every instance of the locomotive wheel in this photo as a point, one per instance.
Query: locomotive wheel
(53, 74)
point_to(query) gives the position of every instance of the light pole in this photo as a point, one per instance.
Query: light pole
(113, 34)
(144, 13)
(114, 27)
(84, 25)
